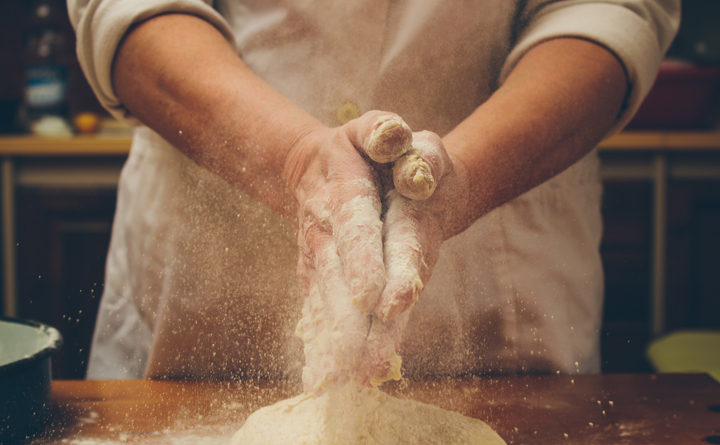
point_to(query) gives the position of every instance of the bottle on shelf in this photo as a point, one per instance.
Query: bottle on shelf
(45, 107)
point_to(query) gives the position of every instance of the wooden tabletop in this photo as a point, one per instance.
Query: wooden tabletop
(120, 145)
(582, 409)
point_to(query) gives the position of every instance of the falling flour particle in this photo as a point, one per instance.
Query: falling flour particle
(357, 416)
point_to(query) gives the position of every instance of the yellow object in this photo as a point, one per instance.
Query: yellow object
(687, 351)
(347, 112)
(86, 122)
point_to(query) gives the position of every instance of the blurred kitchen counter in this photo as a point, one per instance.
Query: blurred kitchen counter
(662, 141)
(120, 145)
(70, 146)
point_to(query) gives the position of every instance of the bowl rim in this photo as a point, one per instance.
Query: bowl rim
(47, 351)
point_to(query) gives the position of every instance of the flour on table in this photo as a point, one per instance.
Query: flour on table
(358, 416)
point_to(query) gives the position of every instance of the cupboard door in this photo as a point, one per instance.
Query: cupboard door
(626, 251)
(693, 287)
(63, 238)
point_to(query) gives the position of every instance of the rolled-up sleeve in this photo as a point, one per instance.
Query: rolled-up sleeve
(101, 24)
(638, 32)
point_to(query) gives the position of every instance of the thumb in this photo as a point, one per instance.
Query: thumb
(381, 136)
(417, 172)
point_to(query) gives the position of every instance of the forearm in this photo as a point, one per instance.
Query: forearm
(178, 75)
(555, 106)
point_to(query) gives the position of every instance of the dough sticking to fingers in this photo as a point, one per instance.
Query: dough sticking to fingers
(391, 138)
(412, 176)
(403, 254)
(358, 234)
(383, 346)
(417, 173)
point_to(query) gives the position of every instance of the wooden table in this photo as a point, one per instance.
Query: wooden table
(582, 409)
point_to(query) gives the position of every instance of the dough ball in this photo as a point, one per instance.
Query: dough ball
(354, 416)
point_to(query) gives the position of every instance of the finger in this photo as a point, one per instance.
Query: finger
(405, 232)
(341, 328)
(311, 330)
(356, 208)
(306, 260)
(417, 173)
(382, 136)
(333, 330)
(383, 362)
(347, 328)
(357, 230)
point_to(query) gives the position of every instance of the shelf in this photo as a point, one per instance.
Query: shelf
(662, 141)
(70, 146)
(120, 145)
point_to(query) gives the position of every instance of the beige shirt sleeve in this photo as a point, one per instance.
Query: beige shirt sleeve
(101, 24)
(638, 32)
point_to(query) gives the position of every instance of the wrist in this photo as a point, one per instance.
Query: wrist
(466, 208)
(301, 156)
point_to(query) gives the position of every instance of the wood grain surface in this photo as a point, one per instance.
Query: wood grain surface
(562, 409)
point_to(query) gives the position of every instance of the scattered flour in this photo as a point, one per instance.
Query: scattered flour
(358, 416)
(349, 351)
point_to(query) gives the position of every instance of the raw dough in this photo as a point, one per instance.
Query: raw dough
(412, 176)
(354, 416)
(389, 140)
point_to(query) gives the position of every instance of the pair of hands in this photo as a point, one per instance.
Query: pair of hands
(376, 201)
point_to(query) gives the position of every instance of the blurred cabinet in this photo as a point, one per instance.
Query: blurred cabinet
(626, 251)
(693, 285)
(661, 244)
(57, 220)
(62, 239)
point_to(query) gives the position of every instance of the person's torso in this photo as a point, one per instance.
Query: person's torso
(212, 271)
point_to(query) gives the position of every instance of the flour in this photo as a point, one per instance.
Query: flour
(403, 255)
(358, 416)
(351, 349)
(361, 226)
(348, 354)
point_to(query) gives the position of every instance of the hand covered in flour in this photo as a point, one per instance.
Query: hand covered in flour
(341, 267)
(339, 195)
(361, 276)
(418, 220)
(423, 210)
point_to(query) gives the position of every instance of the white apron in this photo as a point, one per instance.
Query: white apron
(201, 279)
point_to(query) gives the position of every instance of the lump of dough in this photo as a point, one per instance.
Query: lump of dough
(389, 140)
(358, 416)
(412, 176)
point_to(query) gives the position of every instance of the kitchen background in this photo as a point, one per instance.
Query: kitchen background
(661, 247)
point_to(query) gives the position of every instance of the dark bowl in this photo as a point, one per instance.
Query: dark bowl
(25, 350)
